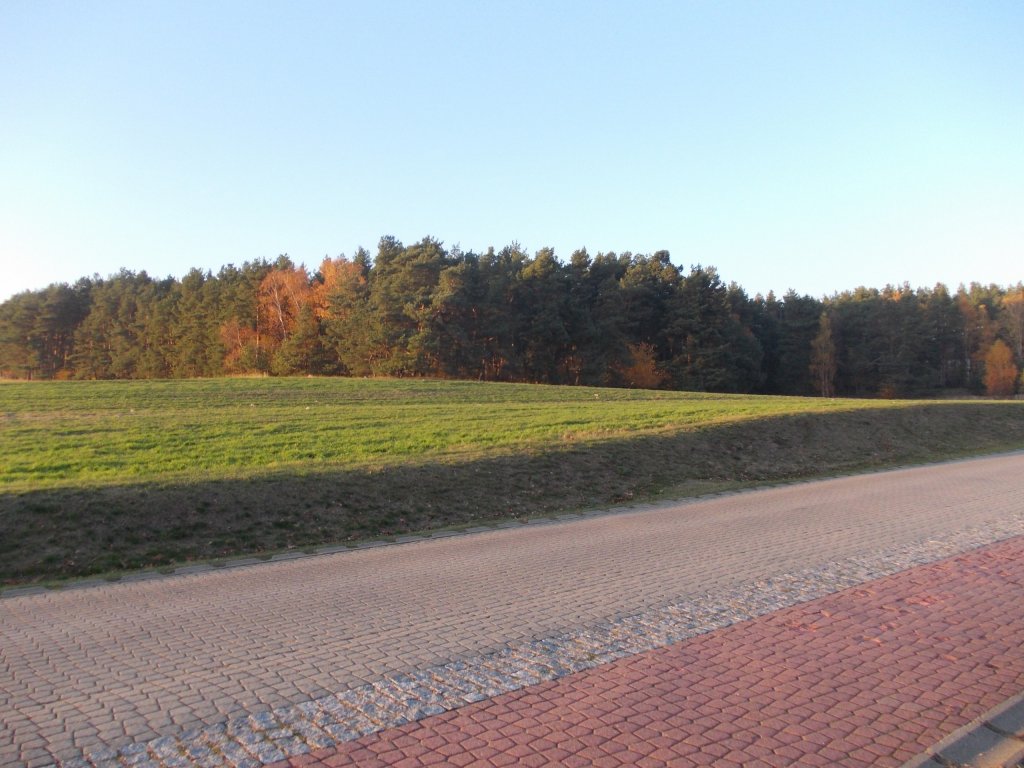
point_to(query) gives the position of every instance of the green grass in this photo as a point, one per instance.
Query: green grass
(70, 434)
(101, 476)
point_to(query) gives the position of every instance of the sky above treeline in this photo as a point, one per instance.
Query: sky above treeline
(806, 145)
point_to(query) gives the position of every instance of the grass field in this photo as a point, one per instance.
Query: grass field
(70, 434)
(102, 476)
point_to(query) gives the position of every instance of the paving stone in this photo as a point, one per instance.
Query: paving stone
(350, 619)
(1011, 719)
(22, 591)
(192, 569)
(84, 584)
(973, 602)
(143, 576)
(982, 747)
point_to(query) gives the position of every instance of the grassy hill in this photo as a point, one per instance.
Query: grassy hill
(103, 476)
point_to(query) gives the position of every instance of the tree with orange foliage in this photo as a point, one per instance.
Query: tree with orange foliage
(643, 371)
(823, 359)
(333, 276)
(1000, 370)
(282, 296)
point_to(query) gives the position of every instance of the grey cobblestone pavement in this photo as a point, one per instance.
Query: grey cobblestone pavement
(249, 665)
(994, 740)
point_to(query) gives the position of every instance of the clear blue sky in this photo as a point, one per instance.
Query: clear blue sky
(809, 145)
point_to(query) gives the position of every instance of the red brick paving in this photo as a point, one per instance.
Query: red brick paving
(867, 677)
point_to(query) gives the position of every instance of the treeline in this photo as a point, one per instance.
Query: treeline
(611, 319)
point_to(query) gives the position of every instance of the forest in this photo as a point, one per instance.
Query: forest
(423, 310)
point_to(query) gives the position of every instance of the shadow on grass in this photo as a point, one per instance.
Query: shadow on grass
(65, 533)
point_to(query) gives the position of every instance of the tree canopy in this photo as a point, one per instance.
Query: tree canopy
(629, 320)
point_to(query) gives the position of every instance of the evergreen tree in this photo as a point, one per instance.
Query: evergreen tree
(197, 348)
(541, 305)
(20, 352)
(798, 325)
(709, 348)
(402, 282)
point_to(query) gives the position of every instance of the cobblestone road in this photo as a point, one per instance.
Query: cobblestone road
(871, 676)
(276, 653)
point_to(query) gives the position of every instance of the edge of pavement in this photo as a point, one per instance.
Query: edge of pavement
(994, 740)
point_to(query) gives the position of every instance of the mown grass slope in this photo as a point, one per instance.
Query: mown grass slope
(102, 476)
